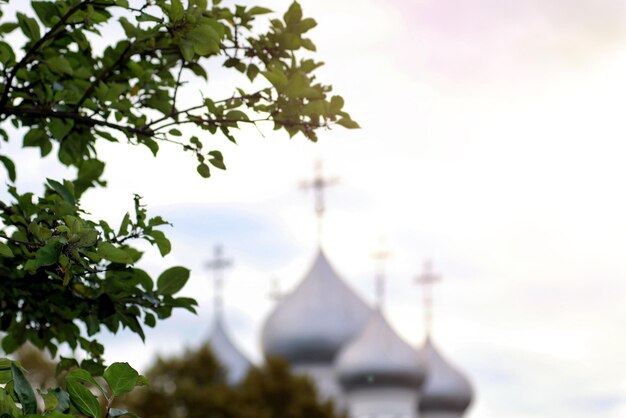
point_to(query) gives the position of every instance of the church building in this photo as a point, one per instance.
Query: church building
(327, 332)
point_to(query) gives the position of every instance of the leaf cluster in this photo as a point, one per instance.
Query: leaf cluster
(77, 399)
(82, 270)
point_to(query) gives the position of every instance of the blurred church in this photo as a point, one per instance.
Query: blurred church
(326, 331)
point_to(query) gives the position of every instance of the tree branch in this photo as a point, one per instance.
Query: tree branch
(103, 76)
(87, 120)
(17, 241)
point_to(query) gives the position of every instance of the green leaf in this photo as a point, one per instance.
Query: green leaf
(257, 10)
(8, 27)
(237, 115)
(124, 225)
(29, 26)
(120, 377)
(5, 251)
(9, 344)
(60, 65)
(348, 123)
(62, 190)
(116, 255)
(306, 25)
(172, 280)
(64, 364)
(83, 376)
(293, 14)
(10, 167)
(217, 160)
(176, 11)
(48, 254)
(93, 367)
(142, 381)
(50, 402)
(45, 11)
(63, 399)
(336, 104)
(7, 405)
(252, 71)
(24, 391)
(7, 56)
(83, 399)
(277, 78)
(149, 320)
(204, 170)
(161, 241)
(5, 376)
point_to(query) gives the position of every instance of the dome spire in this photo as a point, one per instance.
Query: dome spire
(380, 256)
(218, 264)
(319, 183)
(275, 294)
(427, 279)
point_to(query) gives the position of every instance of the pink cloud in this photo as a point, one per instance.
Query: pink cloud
(486, 38)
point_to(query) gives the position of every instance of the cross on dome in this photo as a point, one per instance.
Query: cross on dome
(218, 264)
(275, 293)
(381, 255)
(427, 279)
(319, 183)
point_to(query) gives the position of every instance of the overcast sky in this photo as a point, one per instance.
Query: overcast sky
(493, 142)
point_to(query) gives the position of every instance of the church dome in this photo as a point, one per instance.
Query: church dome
(378, 357)
(446, 389)
(227, 354)
(313, 322)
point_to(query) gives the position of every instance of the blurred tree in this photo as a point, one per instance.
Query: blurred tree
(40, 365)
(193, 386)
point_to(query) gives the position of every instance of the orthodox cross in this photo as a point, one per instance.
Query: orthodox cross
(318, 184)
(275, 294)
(381, 257)
(218, 264)
(427, 279)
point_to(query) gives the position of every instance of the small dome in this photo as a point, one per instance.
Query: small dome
(378, 357)
(313, 322)
(227, 354)
(446, 389)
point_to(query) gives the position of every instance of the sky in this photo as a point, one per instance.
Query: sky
(492, 142)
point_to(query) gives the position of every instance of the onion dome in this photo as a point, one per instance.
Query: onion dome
(313, 322)
(446, 389)
(227, 354)
(378, 357)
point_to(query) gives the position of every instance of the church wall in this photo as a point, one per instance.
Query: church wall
(441, 415)
(325, 380)
(383, 403)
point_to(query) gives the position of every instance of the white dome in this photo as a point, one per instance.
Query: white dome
(227, 354)
(378, 357)
(313, 322)
(446, 389)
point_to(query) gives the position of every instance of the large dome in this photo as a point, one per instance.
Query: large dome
(446, 389)
(227, 354)
(378, 357)
(313, 322)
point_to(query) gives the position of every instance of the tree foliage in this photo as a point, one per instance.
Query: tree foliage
(79, 399)
(64, 275)
(194, 386)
